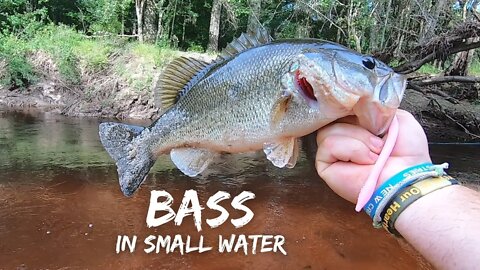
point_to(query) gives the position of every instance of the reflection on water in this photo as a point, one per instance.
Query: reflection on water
(60, 206)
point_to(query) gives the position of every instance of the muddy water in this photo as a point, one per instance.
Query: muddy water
(60, 207)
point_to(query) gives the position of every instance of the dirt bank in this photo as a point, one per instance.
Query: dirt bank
(124, 90)
(442, 120)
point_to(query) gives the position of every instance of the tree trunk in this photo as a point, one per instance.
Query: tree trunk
(432, 20)
(462, 61)
(254, 16)
(214, 29)
(149, 21)
(383, 44)
(352, 31)
(160, 30)
(460, 64)
(139, 9)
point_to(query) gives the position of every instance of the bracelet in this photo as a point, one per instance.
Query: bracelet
(410, 194)
(385, 188)
(420, 174)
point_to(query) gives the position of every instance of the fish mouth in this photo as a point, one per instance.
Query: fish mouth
(314, 84)
(305, 88)
(376, 113)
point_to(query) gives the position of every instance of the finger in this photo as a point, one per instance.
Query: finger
(346, 179)
(342, 148)
(342, 129)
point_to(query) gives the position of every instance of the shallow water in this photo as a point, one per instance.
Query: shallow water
(61, 207)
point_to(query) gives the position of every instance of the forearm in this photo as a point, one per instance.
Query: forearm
(444, 226)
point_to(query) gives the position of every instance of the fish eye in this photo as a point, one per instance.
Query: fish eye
(368, 63)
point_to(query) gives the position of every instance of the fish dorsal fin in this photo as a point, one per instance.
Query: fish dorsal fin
(174, 78)
(245, 42)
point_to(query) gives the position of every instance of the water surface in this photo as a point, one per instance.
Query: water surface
(61, 207)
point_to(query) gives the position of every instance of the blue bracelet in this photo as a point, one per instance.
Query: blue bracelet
(372, 204)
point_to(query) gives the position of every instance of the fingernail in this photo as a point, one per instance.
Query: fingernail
(373, 156)
(377, 142)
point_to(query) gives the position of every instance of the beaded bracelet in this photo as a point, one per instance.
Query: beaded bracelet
(410, 194)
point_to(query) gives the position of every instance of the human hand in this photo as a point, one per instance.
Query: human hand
(346, 154)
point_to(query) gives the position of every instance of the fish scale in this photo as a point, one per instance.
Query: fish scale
(212, 114)
(251, 99)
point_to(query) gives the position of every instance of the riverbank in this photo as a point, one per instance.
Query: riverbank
(64, 72)
(446, 123)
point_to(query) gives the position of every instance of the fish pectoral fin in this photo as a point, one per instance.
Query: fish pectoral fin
(192, 161)
(283, 153)
(280, 108)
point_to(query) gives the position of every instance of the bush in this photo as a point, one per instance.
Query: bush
(18, 72)
(94, 54)
(141, 62)
(59, 42)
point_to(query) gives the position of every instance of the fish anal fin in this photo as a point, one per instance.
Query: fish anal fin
(245, 42)
(192, 161)
(283, 153)
(175, 77)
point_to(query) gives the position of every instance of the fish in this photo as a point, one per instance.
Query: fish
(258, 94)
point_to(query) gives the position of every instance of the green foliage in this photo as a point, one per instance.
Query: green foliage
(18, 71)
(194, 47)
(429, 69)
(69, 50)
(59, 28)
(94, 54)
(141, 62)
(59, 42)
(474, 68)
(20, 17)
(105, 16)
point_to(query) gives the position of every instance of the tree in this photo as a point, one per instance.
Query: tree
(254, 15)
(160, 28)
(140, 9)
(214, 28)
(432, 18)
(462, 60)
(150, 21)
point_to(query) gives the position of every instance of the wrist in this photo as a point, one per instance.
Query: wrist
(407, 196)
(443, 227)
(415, 213)
(397, 164)
(404, 188)
(396, 182)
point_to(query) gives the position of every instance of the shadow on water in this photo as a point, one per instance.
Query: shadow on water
(60, 206)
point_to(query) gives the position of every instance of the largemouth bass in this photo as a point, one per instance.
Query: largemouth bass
(258, 94)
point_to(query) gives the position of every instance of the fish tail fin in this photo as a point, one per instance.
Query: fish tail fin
(133, 161)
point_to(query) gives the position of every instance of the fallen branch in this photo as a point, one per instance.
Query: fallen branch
(461, 38)
(434, 103)
(436, 54)
(414, 86)
(109, 35)
(446, 79)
